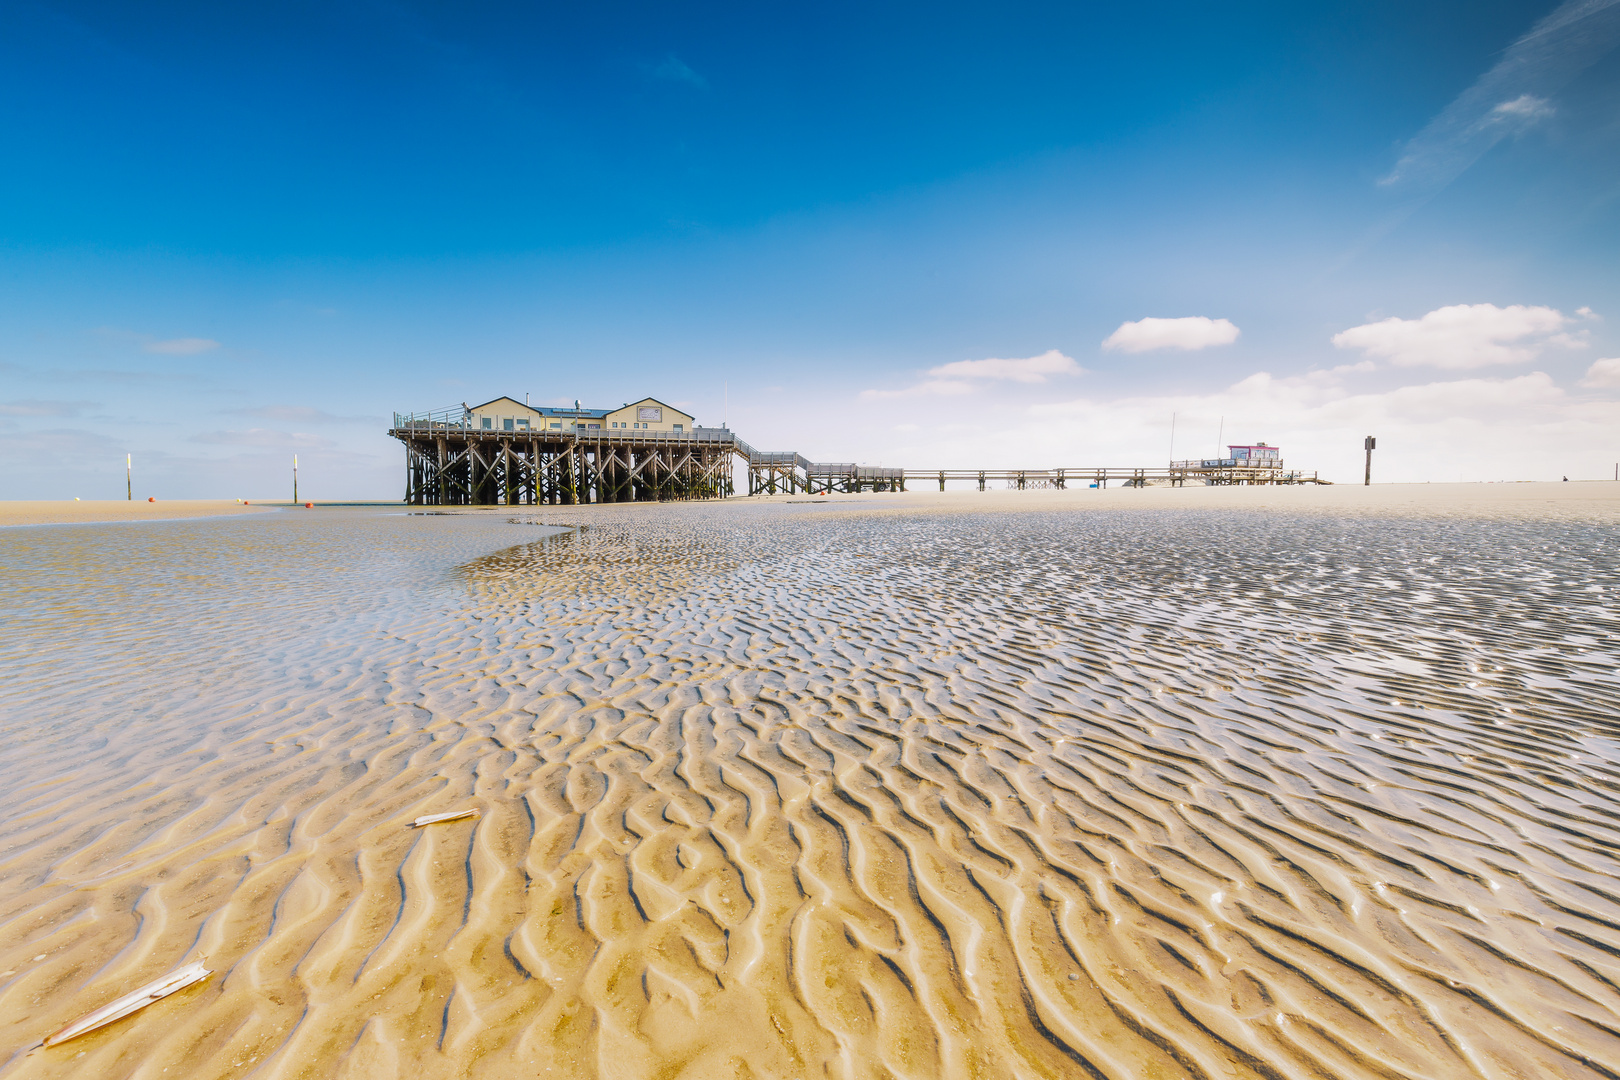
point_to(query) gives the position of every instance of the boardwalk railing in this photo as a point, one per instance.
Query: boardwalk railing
(1178, 472)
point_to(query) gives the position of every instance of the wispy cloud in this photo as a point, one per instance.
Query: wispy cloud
(1033, 369)
(186, 346)
(45, 408)
(1511, 97)
(1463, 336)
(264, 438)
(960, 377)
(1187, 334)
(300, 414)
(672, 69)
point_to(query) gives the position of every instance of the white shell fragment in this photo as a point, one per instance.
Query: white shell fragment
(434, 819)
(132, 1002)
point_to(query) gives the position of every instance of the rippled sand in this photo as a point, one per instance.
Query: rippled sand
(815, 791)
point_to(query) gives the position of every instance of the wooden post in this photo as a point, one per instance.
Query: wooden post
(129, 481)
(443, 447)
(295, 479)
(1369, 444)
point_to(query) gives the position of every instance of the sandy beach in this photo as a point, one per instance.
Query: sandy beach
(1160, 783)
(1591, 500)
(74, 512)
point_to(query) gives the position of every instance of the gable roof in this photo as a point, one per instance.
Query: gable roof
(492, 401)
(654, 401)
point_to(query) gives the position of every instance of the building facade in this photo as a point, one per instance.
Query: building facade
(509, 414)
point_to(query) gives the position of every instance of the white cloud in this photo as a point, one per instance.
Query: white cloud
(1462, 336)
(943, 387)
(1603, 374)
(1476, 428)
(1193, 332)
(1524, 107)
(1032, 369)
(186, 346)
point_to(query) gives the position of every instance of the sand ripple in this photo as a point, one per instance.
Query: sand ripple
(777, 792)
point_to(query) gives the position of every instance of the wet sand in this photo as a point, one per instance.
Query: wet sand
(74, 512)
(843, 789)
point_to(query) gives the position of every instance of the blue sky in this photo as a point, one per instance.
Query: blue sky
(228, 233)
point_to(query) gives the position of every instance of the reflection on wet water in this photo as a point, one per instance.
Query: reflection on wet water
(777, 792)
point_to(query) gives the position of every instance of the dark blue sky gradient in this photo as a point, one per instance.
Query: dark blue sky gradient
(363, 130)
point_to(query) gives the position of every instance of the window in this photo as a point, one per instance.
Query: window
(556, 427)
(678, 427)
(488, 423)
(523, 422)
(508, 425)
(595, 427)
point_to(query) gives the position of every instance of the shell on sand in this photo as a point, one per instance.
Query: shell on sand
(434, 819)
(131, 1002)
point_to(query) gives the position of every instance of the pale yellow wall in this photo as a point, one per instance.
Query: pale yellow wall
(502, 409)
(629, 417)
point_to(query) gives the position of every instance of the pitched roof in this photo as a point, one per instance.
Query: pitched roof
(503, 397)
(655, 401)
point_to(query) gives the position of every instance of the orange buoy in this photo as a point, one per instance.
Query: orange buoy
(244, 502)
(309, 506)
(150, 499)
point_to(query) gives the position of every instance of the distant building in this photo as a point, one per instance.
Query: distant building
(508, 414)
(1258, 456)
(1258, 463)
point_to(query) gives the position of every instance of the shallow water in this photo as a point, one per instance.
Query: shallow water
(771, 791)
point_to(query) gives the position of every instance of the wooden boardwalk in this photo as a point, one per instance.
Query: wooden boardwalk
(1091, 476)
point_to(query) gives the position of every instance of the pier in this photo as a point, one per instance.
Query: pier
(451, 459)
(508, 453)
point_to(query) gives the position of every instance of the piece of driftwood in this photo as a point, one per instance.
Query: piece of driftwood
(131, 1002)
(434, 819)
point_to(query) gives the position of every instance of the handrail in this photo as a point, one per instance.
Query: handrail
(572, 431)
(453, 416)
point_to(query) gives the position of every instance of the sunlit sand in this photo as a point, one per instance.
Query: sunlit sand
(72, 511)
(968, 785)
